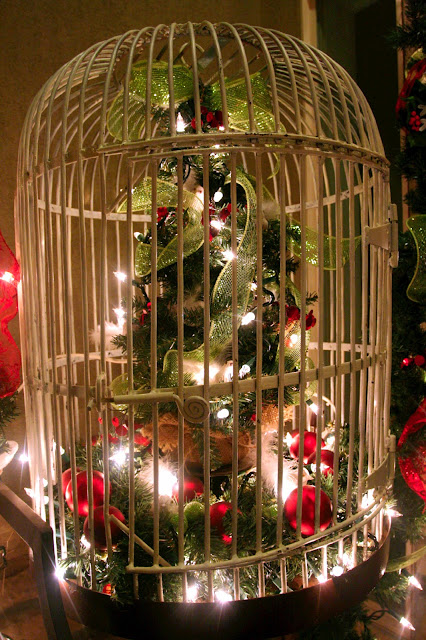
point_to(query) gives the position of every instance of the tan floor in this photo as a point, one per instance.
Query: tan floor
(20, 616)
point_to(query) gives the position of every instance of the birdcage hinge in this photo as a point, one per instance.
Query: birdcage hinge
(385, 236)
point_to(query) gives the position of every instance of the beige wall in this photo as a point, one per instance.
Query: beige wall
(39, 36)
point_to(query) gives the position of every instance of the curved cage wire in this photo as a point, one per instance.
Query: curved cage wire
(155, 123)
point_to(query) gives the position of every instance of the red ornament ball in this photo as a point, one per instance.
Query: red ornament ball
(327, 461)
(82, 500)
(99, 533)
(309, 444)
(308, 510)
(66, 477)
(217, 513)
(192, 487)
(419, 360)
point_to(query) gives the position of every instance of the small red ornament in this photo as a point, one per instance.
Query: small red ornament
(309, 444)
(419, 360)
(406, 362)
(82, 500)
(99, 533)
(107, 589)
(192, 487)
(121, 430)
(217, 513)
(327, 461)
(308, 510)
(292, 313)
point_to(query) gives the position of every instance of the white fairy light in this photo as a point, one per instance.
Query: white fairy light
(249, 317)
(393, 513)
(7, 277)
(60, 572)
(412, 580)
(45, 483)
(245, 369)
(192, 593)
(253, 286)
(223, 596)
(119, 457)
(229, 255)
(406, 623)
(218, 196)
(322, 578)
(229, 373)
(314, 407)
(120, 276)
(221, 127)
(337, 571)
(222, 413)
(180, 124)
(29, 492)
(330, 440)
(24, 458)
(293, 339)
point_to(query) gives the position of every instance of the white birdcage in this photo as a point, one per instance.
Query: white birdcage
(196, 161)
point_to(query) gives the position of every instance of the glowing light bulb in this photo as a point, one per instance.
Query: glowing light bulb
(406, 623)
(249, 317)
(221, 127)
(293, 339)
(218, 196)
(192, 593)
(322, 578)
(223, 596)
(166, 481)
(180, 124)
(24, 458)
(337, 571)
(61, 449)
(245, 369)
(119, 457)
(415, 583)
(222, 413)
(120, 276)
(347, 561)
(229, 373)
(253, 286)
(60, 572)
(314, 407)
(330, 440)
(229, 255)
(7, 277)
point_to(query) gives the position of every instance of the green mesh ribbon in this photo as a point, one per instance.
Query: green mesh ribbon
(312, 240)
(183, 88)
(221, 297)
(417, 288)
(236, 95)
(193, 234)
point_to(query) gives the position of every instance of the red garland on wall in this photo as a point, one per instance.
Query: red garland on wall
(413, 466)
(10, 356)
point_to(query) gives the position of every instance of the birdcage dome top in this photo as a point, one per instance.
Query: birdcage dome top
(261, 81)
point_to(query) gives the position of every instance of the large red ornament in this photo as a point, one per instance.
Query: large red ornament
(66, 477)
(192, 487)
(82, 500)
(217, 513)
(99, 533)
(327, 461)
(308, 510)
(413, 467)
(10, 356)
(309, 444)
